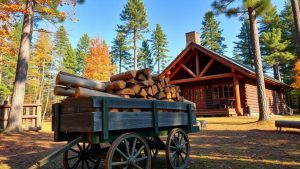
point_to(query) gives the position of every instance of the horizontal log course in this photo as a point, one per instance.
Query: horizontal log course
(124, 76)
(83, 92)
(117, 85)
(74, 81)
(64, 91)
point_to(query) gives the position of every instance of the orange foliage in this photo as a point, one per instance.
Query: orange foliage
(297, 76)
(98, 65)
(10, 9)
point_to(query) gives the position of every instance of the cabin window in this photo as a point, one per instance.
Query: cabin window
(223, 91)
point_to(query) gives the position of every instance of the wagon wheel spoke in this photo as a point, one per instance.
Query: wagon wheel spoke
(133, 146)
(137, 166)
(79, 147)
(141, 159)
(76, 164)
(137, 150)
(126, 147)
(82, 164)
(71, 158)
(87, 164)
(91, 160)
(75, 151)
(178, 149)
(119, 163)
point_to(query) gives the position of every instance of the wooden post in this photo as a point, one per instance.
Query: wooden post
(39, 117)
(197, 64)
(237, 97)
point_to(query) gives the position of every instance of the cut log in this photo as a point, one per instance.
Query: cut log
(174, 96)
(118, 85)
(142, 93)
(154, 89)
(74, 81)
(64, 91)
(141, 77)
(167, 80)
(168, 95)
(135, 88)
(84, 92)
(126, 91)
(151, 82)
(123, 76)
(173, 90)
(125, 96)
(147, 72)
(160, 88)
(167, 89)
(160, 95)
(146, 83)
(130, 82)
(157, 78)
(114, 110)
(136, 110)
(149, 91)
(162, 83)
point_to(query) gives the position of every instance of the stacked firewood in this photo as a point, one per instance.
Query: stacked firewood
(130, 84)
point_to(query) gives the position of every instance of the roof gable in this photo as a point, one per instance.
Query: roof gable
(191, 49)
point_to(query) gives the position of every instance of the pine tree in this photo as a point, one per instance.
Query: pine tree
(159, 47)
(145, 59)
(243, 50)
(82, 51)
(134, 16)
(273, 42)
(99, 54)
(254, 8)
(61, 41)
(70, 61)
(211, 34)
(119, 52)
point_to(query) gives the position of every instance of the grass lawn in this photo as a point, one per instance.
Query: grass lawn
(227, 142)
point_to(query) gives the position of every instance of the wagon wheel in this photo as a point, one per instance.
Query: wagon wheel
(152, 141)
(128, 151)
(82, 155)
(178, 149)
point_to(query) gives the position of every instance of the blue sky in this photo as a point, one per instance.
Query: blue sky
(101, 17)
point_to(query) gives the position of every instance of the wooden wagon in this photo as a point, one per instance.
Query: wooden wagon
(124, 132)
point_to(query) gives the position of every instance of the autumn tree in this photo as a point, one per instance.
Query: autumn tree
(98, 64)
(253, 8)
(38, 9)
(242, 49)
(82, 51)
(145, 59)
(277, 57)
(120, 52)
(134, 16)
(159, 47)
(211, 34)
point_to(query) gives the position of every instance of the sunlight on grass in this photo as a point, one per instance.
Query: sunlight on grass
(4, 166)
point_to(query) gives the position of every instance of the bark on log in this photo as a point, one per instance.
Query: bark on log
(126, 91)
(147, 72)
(118, 85)
(73, 81)
(84, 92)
(124, 76)
(64, 91)
(141, 77)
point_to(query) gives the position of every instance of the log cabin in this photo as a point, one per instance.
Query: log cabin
(219, 85)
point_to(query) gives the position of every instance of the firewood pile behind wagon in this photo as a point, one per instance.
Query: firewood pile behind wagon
(122, 121)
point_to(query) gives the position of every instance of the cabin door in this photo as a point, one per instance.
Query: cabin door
(196, 94)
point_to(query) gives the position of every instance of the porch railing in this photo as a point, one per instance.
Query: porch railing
(31, 117)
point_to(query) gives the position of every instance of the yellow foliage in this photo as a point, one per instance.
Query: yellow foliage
(297, 76)
(98, 65)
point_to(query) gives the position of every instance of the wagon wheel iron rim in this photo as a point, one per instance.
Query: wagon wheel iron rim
(80, 156)
(154, 151)
(178, 149)
(128, 151)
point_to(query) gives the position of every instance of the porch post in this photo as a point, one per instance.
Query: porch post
(237, 97)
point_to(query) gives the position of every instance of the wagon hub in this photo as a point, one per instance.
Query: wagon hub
(131, 161)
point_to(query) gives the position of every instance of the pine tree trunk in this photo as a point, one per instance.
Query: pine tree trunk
(158, 64)
(263, 114)
(296, 14)
(276, 72)
(15, 116)
(134, 50)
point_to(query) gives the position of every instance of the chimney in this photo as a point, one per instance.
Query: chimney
(192, 37)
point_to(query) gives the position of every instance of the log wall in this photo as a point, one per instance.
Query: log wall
(275, 98)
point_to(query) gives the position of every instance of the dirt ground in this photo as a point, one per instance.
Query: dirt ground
(227, 142)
